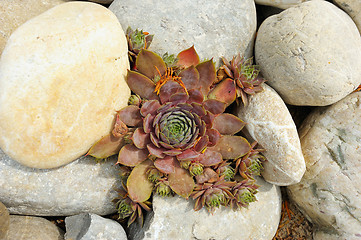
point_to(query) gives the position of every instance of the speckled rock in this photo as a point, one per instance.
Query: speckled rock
(174, 218)
(14, 13)
(353, 8)
(89, 226)
(81, 186)
(270, 124)
(304, 63)
(330, 191)
(220, 28)
(32, 228)
(280, 3)
(61, 86)
(4, 220)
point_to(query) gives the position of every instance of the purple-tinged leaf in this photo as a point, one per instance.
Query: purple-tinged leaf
(166, 164)
(179, 98)
(195, 96)
(210, 158)
(141, 85)
(149, 63)
(214, 137)
(188, 57)
(201, 144)
(181, 182)
(155, 151)
(190, 77)
(198, 109)
(228, 124)
(138, 185)
(120, 129)
(173, 152)
(130, 115)
(188, 154)
(207, 76)
(208, 175)
(154, 139)
(232, 147)
(214, 106)
(140, 138)
(131, 156)
(106, 146)
(149, 107)
(148, 123)
(225, 91)
(168, 89)
(208, 119)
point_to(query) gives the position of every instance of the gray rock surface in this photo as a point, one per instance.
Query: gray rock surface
(4, 220)
(89, 226)
(353, 8)
(81, 186)
(280, 3)
(330, 191)
(217, 28)
(14, 13)
(304, 63)
(174, 218)
(270, 124)
(32, 228)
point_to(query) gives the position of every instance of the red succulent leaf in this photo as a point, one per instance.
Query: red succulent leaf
(208, 119)
(138, 185)
(188, 155)
(190, 77)
(120, 129)
(172, 152)
(214, 136)
(156, 151)
(106, 146)
(208, 175)
(149, 63)
(228, 124)
(232, 147)
(198, 109)
(181, 182)
(188, 57)
(148, 123)
(225, 91)
(141, 85)
(210, 158)
(131, 156)
(214, 106)
(201, 144)
(130, 115)
(166, 165)
(207, 76)
(195, 96)
(149, 107)
(140, 138)
(168, 89)
(180, 97)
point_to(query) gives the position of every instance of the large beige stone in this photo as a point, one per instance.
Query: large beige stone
(62, 79)
(310, 53)
(330, 191)
(14, 13)
(4, 220)
(270, 124)
(353, 8)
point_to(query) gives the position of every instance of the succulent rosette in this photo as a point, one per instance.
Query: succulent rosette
(173, 138)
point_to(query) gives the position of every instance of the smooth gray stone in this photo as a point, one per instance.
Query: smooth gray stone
(216, 28)
(80, 186)
(89, 226)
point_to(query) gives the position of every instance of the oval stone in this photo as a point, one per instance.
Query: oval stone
(61, 85)
(269, 122)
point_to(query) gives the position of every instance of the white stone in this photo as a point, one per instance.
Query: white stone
(270, 124)
(62, 81)
(280, 3)
(310, 54)
(353, 8)
(80, 186)
(330, 191)
(216, 29)
(174, 218)
(14, 13)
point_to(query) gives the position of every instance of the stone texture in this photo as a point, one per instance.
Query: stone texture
(4, 220)
(174, 218)
(220, 28)
(353, 9)
(81, 186)
(88, 226)
(14, 13)
(61, 86)
(280, 3)
(270, 124)
(330, 191)
(304, 63)
(102, 1)
(32, 228)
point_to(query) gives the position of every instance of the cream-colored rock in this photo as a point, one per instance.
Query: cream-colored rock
(62, 79)
(280, 3)
(353, 8)
(14, 13)
(310, 53)
(330, 191)
(32, 228)
(4, 220)
(270, 124)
